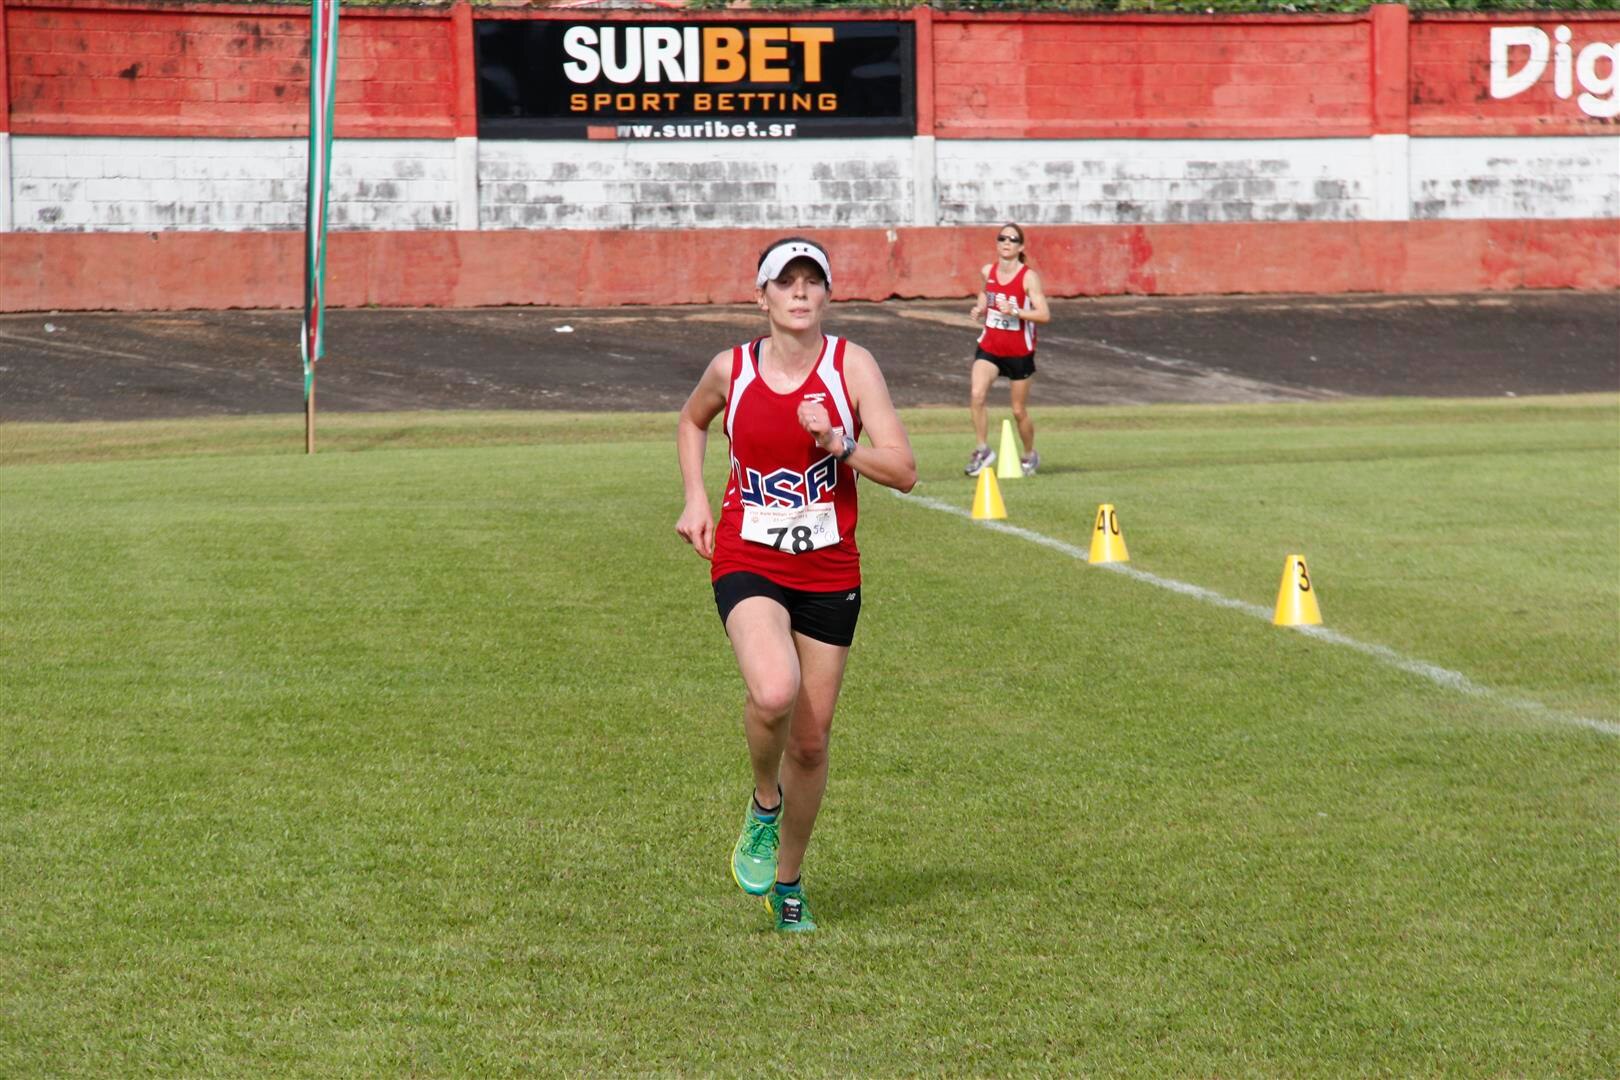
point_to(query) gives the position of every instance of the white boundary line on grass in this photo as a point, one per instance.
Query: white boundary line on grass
(1451, 680)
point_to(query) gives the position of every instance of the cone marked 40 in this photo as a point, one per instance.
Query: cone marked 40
(1296, 599)
(1107, 542)
(987, 502)
(1007, 467)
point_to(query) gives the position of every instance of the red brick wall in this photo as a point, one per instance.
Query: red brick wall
(121, 67)
(223, 72)
(5, 78)
(1451, 77)
(1143, 77)
(158, 271)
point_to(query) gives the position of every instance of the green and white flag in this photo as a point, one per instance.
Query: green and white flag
(323, 41)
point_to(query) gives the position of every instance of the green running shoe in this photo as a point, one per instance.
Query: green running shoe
(791, 912)
(753, 860)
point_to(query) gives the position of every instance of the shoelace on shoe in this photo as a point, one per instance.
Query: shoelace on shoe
(761, 837)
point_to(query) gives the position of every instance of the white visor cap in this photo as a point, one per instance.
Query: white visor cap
(778, 257)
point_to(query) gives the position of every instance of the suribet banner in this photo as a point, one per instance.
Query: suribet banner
(547, 79)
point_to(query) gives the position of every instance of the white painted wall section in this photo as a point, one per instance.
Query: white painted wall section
(390, 183)
(925, 181)
(1392, 177)
(1122, 181)
(1531, 177)
(147, 185)
(466, 183)
(151, 185)
(5, 181)
(809, 183)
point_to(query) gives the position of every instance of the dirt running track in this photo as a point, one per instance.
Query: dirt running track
(1119, 350)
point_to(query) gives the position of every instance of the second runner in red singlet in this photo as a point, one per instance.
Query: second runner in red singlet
(1007, 334)
(1011, 302)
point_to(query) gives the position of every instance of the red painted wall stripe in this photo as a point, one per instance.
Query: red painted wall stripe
(5, 79)
(129, 67)
(1391, 27)
(466, 70)
(1125, 77)
(126, 71)
(925, 70)
(158, 271)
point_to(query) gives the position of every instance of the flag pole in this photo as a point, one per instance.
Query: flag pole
(323, 41)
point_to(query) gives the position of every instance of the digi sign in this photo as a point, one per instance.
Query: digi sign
(1589, 71)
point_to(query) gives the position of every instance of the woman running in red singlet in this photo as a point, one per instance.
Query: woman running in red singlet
(785, 568)
(1011, 304)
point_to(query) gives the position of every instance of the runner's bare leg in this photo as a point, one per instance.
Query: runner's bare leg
(983, 374)
(764, 644)
(1020, 411)
(804, 766)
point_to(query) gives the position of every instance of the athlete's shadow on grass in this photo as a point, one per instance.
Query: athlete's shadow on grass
(857, 900)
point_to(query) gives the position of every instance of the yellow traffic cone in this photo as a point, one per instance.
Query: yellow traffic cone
(1296, 599)
(987, 502)
(1107, 542)
(1007, 466)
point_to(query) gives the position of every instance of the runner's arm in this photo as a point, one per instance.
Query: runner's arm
(1037, 311)
(696, 524)
(888, 460)
(982, 305)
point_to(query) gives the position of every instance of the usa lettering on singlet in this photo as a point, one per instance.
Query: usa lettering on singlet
(789, 510)
(1007, 335)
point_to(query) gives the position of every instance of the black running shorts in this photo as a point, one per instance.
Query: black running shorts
(824, 616)
(1013, 367)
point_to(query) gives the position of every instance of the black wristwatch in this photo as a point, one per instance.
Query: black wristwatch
(849, 448)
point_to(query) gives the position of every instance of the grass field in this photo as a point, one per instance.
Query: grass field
(423, 756)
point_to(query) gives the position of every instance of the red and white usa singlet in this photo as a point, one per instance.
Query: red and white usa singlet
(1007, 335)
(789, 511)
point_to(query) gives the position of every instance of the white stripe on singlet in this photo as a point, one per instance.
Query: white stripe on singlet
(744, 377)
(835, 385)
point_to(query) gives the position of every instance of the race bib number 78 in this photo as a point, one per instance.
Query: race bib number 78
(793, 529)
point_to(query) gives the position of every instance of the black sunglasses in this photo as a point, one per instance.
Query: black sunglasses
(1010, 239)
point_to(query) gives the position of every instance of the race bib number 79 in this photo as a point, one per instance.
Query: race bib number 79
(997, 321)
(793, 529)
